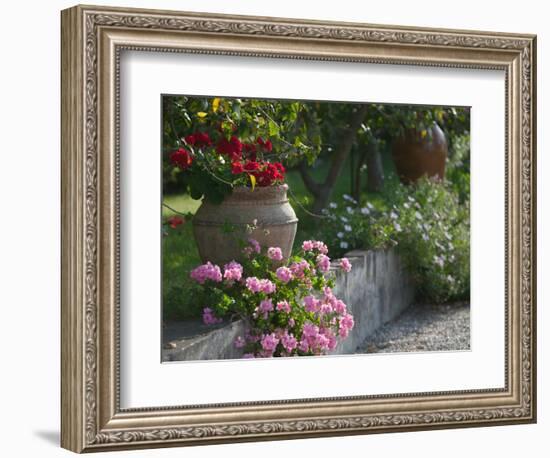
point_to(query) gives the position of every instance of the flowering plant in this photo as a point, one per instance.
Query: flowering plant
(288, 308)
(212, 167)
(426, 223)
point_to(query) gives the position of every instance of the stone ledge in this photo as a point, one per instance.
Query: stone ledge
(376, 290)
(192, 340)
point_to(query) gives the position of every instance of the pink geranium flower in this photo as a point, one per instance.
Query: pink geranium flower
(284, 274)
(233, 271)
(311, 304)
(208, 316)
(205, 272)
(266, 305)
(345, 264)
(323, 263)
(283, 306)
(275, 254)
(239, 342)
(310, 330)
(298, 268)
(267, 286)
(255, 245)
(303, 345)
(289, 342)
(253, 284)
(340, 307)
(269, 342)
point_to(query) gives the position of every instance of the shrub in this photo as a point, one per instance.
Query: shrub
(457, 171)
(350, 226)
(434, 240)
(427, 224)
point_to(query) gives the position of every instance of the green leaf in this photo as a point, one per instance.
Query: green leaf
(273, 128)
(236, 108)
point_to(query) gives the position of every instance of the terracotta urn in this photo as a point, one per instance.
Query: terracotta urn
(220, 229)
(416, 155)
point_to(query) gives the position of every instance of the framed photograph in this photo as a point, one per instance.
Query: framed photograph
(278, 228)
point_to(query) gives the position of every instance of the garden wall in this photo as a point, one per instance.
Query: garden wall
(376, 290)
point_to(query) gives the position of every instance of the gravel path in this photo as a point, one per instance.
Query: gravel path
(423, 328)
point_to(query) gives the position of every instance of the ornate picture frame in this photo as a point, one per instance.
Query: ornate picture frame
(92, 40)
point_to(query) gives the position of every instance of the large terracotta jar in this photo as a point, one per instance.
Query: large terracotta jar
(267, 208)
(415, 155)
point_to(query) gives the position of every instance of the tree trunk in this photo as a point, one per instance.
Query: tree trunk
(323, 191)
(356, 179)
(375, 170)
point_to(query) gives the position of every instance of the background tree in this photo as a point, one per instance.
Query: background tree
(302, 132)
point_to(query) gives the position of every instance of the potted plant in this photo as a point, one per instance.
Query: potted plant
(243, 191)
(287, 306)
(421, 137)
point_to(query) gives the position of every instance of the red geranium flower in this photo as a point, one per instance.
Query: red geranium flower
(266, 145)
(175, 221)
(251, 166)
(190, 139)
(270, 173)
(280, 167)
(236, 168)
(250, 151)
(198, 139)
(249, 148)
(181, 158)
(232, 147)
(202, 139)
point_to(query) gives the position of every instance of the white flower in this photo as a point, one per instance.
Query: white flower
(344, 245)
(369, 205)
(411, 199)
(397, 227)
(344, 219)
(347, 228)
(349, 210)
(333, 205)
(439, 261)
(450, 279)
(221, 159)
(365, 211)
(393, 215)
(349, 198)
(340, 235)
(407, 205)
(426, 237)
(417, 215)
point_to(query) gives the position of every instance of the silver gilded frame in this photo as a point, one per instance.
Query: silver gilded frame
(92, 40)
